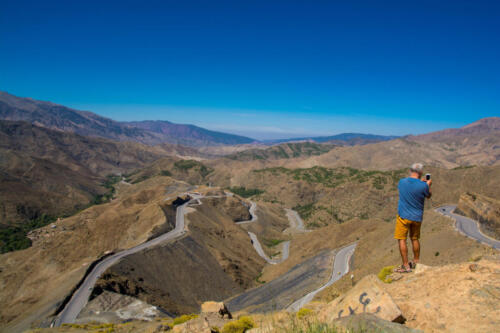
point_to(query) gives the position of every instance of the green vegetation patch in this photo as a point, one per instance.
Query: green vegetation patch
(304, 313)
(105, 327)
(384, 273)
(243, 324)
(166, 173)
(186, 165)
(305, 211)
(245, 192)
(463, 167)
(283, 151)
(13, 238)
(184, 318)
(109, 184)
(272, 242)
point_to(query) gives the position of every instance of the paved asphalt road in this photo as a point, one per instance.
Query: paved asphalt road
(81, 296)
(468, 226)
(340, 268)
(253, 207)
(260, 251)
(296, 221)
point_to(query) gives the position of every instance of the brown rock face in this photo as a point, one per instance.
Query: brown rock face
(366, 322)
(216, 307)
(484, 209)
(367, 296)
(452, 298)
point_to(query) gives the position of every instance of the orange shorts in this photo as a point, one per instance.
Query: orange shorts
(402, 227)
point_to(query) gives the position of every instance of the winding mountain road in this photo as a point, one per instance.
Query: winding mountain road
(296, 221)
(467, 226)
(81, 295)
(256, 244)
(252, 209)
(340, 268)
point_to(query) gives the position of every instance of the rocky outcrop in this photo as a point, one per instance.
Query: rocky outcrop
(484, 209)
(366, 322)
(115, 308)
(212, 318)
(452, 298)
(367, 296)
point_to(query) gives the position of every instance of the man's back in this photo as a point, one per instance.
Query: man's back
(412, 194)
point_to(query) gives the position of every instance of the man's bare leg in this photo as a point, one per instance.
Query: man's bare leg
(416, 250)
(403, 249)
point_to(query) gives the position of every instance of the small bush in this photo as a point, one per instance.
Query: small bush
(140, 179)
(239, 326)
(182, 319)
(272, 242)
(245, 192)
(304, 312)
(384, 272)
(186, 164)
(436, 254)
(166, 173)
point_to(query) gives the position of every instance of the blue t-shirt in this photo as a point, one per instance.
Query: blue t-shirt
(412, 194)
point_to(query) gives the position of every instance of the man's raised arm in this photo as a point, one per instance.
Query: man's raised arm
(429, 183)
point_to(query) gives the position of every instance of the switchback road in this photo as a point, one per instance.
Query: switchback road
(468, 227)
(340, 268)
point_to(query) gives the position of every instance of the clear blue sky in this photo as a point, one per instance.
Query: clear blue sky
(266, 69)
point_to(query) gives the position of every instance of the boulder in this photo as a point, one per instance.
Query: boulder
(367, 296)
(367, 322)
(216, 307)
(211, 319)
(420, 268)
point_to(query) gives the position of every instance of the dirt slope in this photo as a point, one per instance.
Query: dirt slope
(52, 172)
(36, 279)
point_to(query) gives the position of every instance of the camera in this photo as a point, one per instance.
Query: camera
(428, 176)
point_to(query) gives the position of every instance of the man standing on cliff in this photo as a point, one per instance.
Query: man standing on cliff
(412, 194)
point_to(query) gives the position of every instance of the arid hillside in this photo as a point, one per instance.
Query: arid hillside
(189, 170)
(36, 280)
(282, 151)
(53, 172)
(475, 144)
(336, 195)
(46, 174)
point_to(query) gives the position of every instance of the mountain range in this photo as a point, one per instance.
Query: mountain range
(348, 139)
(58, 117)
(150, 132)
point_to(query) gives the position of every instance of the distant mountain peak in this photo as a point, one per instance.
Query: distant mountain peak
(489, 122)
